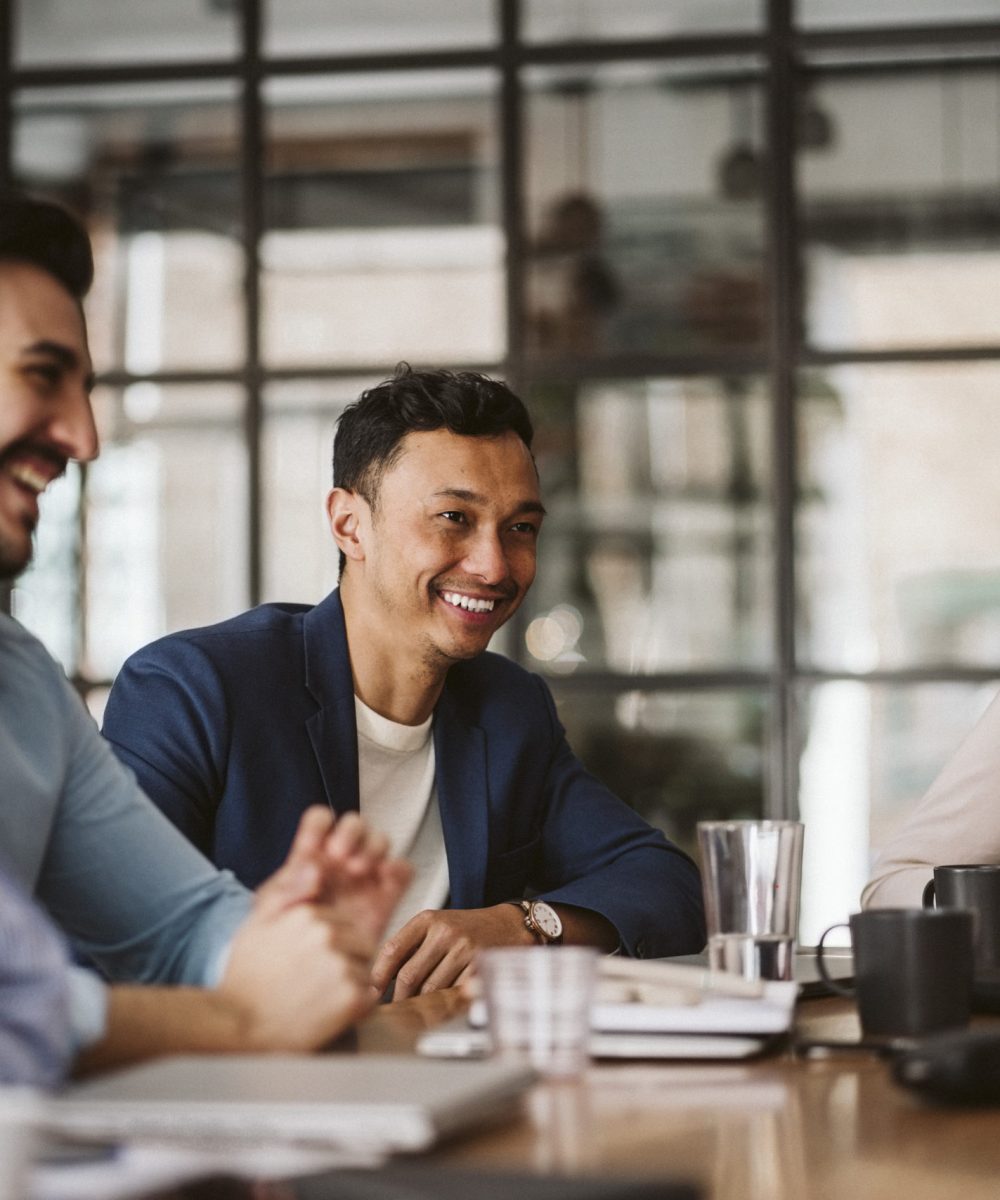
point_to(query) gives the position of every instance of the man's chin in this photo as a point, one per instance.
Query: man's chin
(13, 560)
(447, 652)
(462, 650)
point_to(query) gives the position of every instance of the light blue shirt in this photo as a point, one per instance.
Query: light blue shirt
(36, 1043)
(127, 888)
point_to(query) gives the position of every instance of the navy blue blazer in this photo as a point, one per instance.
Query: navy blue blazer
(235, 729)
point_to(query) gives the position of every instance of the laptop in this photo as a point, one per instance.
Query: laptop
(386, 1102)
(422, 1181)
(417, 1180)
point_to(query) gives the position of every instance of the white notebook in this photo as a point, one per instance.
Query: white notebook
(698, 1024)
(388, 1102)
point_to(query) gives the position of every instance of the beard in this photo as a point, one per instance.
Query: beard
(13, 558)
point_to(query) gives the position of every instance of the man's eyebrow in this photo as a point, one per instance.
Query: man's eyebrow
(469, 497)
(64, 356)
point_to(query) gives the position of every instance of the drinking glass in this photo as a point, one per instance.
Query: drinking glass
(751, 876)
(538, 1002)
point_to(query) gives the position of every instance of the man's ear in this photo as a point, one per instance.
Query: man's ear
(344, 511)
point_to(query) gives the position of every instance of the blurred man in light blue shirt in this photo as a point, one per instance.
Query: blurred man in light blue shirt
(288, 968)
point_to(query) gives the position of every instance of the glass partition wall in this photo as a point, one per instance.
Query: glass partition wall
(740, 258)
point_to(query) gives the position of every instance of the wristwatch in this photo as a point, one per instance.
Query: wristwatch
(542, 921)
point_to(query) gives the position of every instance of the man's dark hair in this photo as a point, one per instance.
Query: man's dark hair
(370, 431)
(47, 236)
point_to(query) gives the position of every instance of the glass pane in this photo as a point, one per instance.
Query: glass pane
(898, 558)
(580, 20)
(299, 555)
(869, 753)
(46, 598)
(675, 758)
(656, 554)
(383, 238)
(839, 13)
(127, 31)
(902, 232)
(167, 519)
(646, 219)
(153, 169)
(356, 26)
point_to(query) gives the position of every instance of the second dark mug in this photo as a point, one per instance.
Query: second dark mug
(976, 887)
(912, 969)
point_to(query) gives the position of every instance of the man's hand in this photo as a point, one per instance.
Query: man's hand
(299, 968)
(435, 949)
(299, 977)
(343, 864)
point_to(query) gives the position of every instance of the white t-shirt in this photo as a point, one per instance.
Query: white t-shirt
(399, 798)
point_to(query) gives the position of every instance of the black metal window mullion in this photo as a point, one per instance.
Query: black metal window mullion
(781, 794)
(252, 212)
(512, 182)
(6, 72)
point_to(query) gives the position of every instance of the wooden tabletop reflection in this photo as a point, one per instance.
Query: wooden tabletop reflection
(779, 1128)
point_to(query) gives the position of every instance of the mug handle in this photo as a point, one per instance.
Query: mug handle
(930, 896)
(832, 984)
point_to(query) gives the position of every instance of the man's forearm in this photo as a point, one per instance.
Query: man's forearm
(144, 1022)
(584, 927)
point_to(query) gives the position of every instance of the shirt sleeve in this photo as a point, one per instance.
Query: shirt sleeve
(957, 821)
(36, 1035)
(132, 893)
(88, 1007)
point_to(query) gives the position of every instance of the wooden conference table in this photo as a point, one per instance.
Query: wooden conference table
(778, 1128)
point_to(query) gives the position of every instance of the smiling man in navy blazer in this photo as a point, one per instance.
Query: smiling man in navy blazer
(384, 697)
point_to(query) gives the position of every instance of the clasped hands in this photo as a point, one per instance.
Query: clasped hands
(300, 965)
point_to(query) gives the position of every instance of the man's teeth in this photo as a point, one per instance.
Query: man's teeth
(468, 602)
(28, 477)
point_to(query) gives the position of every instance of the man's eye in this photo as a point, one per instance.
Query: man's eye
(525, 527)
(457, 517)
(49, 375)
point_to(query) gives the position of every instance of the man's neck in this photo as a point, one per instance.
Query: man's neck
(391, 678)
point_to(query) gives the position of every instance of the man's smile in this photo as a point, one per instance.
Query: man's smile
(32, 468)
(469, 603)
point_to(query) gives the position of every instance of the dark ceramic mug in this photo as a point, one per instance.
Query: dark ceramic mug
(977, 887)
(912, 969)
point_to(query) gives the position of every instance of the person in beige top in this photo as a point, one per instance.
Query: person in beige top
(957, 821)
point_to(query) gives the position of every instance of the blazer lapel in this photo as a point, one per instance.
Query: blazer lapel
(463, 800)
(332, 729)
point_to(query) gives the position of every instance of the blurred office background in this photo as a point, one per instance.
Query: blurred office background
(742, 258)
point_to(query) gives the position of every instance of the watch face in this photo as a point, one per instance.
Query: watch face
(547, 919)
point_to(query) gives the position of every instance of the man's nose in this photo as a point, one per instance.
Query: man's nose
(486, 558)
(73, 426)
